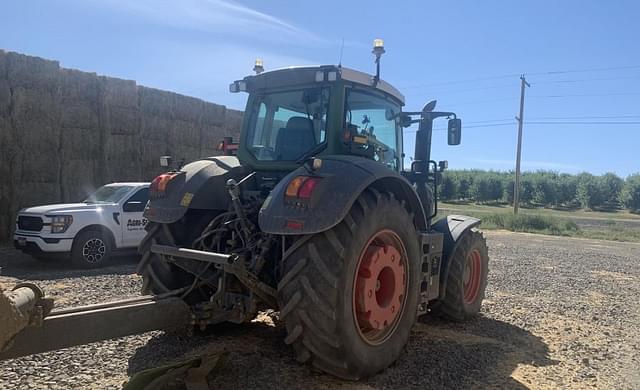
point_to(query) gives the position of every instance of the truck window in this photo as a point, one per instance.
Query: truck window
(108, 194)
(137, 201)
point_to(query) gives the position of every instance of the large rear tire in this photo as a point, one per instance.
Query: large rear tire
(161, 277)
(467, 279)
(349, 295)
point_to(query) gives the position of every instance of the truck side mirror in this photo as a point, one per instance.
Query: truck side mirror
(454, 131)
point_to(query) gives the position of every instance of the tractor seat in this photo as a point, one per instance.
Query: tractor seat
(295, 139)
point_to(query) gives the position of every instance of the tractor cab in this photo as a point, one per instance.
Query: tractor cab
(296, 113)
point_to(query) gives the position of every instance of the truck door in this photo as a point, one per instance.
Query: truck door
(132, 221)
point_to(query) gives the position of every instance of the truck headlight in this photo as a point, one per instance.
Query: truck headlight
(60, 223)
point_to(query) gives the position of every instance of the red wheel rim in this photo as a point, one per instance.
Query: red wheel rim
(472, 276)
(380, 285)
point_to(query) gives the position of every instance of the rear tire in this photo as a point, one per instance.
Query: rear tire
(323, 278)
(467, 279)
(91, 249)
(159, 276)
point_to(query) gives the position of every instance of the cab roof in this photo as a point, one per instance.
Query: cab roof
(308, 74)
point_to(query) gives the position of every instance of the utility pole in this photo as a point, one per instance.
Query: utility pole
(520, 119)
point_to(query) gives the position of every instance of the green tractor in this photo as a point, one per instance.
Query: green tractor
(314, 214)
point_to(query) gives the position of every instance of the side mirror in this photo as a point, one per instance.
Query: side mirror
(389, 114)
(454, 132)
(133, 206)
(405, 120)
(165, 161)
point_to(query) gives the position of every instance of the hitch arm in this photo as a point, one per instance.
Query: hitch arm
(229, 263)
(88, 324)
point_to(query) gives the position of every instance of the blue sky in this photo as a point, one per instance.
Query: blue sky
(581, 58)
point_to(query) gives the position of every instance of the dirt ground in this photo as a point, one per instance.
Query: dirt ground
(559, 313)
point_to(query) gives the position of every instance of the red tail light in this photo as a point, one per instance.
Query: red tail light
(302, 187)
(307, 188)
(159, 184)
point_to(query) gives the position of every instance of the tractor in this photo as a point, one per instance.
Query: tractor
(313, 213)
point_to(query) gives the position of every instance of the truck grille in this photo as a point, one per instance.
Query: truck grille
(29, 223)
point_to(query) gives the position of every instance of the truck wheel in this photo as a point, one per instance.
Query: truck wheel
(467, 279)
(91, 249)
(349, 295)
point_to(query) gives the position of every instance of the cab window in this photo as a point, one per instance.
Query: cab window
(365, 114)
(287, 125)
(137, 201)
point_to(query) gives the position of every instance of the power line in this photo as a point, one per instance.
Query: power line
(585, 123)
(470, 127)
(506, 76)
(585, 80)
(584, 70)
(460, 81)
(588, 95)
(540, 123)
(584, 117)
(465, 89)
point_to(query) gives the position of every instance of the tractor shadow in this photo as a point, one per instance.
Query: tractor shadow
(481, 353)
(477, 354)
(16, 264)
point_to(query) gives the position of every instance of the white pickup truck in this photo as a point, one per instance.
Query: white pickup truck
(88, 232)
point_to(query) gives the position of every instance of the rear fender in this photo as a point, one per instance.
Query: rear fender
(453, 228)
(342, 180)
(199, 185)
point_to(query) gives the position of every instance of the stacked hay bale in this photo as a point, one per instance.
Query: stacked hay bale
(7, 154)
(31, 132)
(82, 146)
(65, 132)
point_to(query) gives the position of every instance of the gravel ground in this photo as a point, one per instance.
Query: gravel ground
(559, 313)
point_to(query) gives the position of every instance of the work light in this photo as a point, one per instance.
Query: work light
(259, 66)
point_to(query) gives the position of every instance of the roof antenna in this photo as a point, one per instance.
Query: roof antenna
(341, 50)
(378, 51)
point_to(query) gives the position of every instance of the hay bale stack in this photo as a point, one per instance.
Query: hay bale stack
(64, 132)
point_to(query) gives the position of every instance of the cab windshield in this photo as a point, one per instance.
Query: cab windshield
(288, 125)
(108, 194)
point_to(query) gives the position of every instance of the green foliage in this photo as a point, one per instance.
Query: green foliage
(530, 223)
(586, 190)
(630, 193)
(610, 187)
(542, 189)
(447, 189)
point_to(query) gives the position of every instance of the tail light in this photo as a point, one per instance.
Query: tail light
(159, 184)
(302, 187)
(227, 146)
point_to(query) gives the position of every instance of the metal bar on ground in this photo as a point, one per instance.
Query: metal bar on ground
(71, 328)
(143, 298)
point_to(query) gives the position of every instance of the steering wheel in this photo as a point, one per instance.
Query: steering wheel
(264, 152)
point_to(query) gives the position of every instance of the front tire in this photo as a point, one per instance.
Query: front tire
(346, 314)
(91, 249)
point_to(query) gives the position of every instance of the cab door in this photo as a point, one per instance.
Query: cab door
(133, 222)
